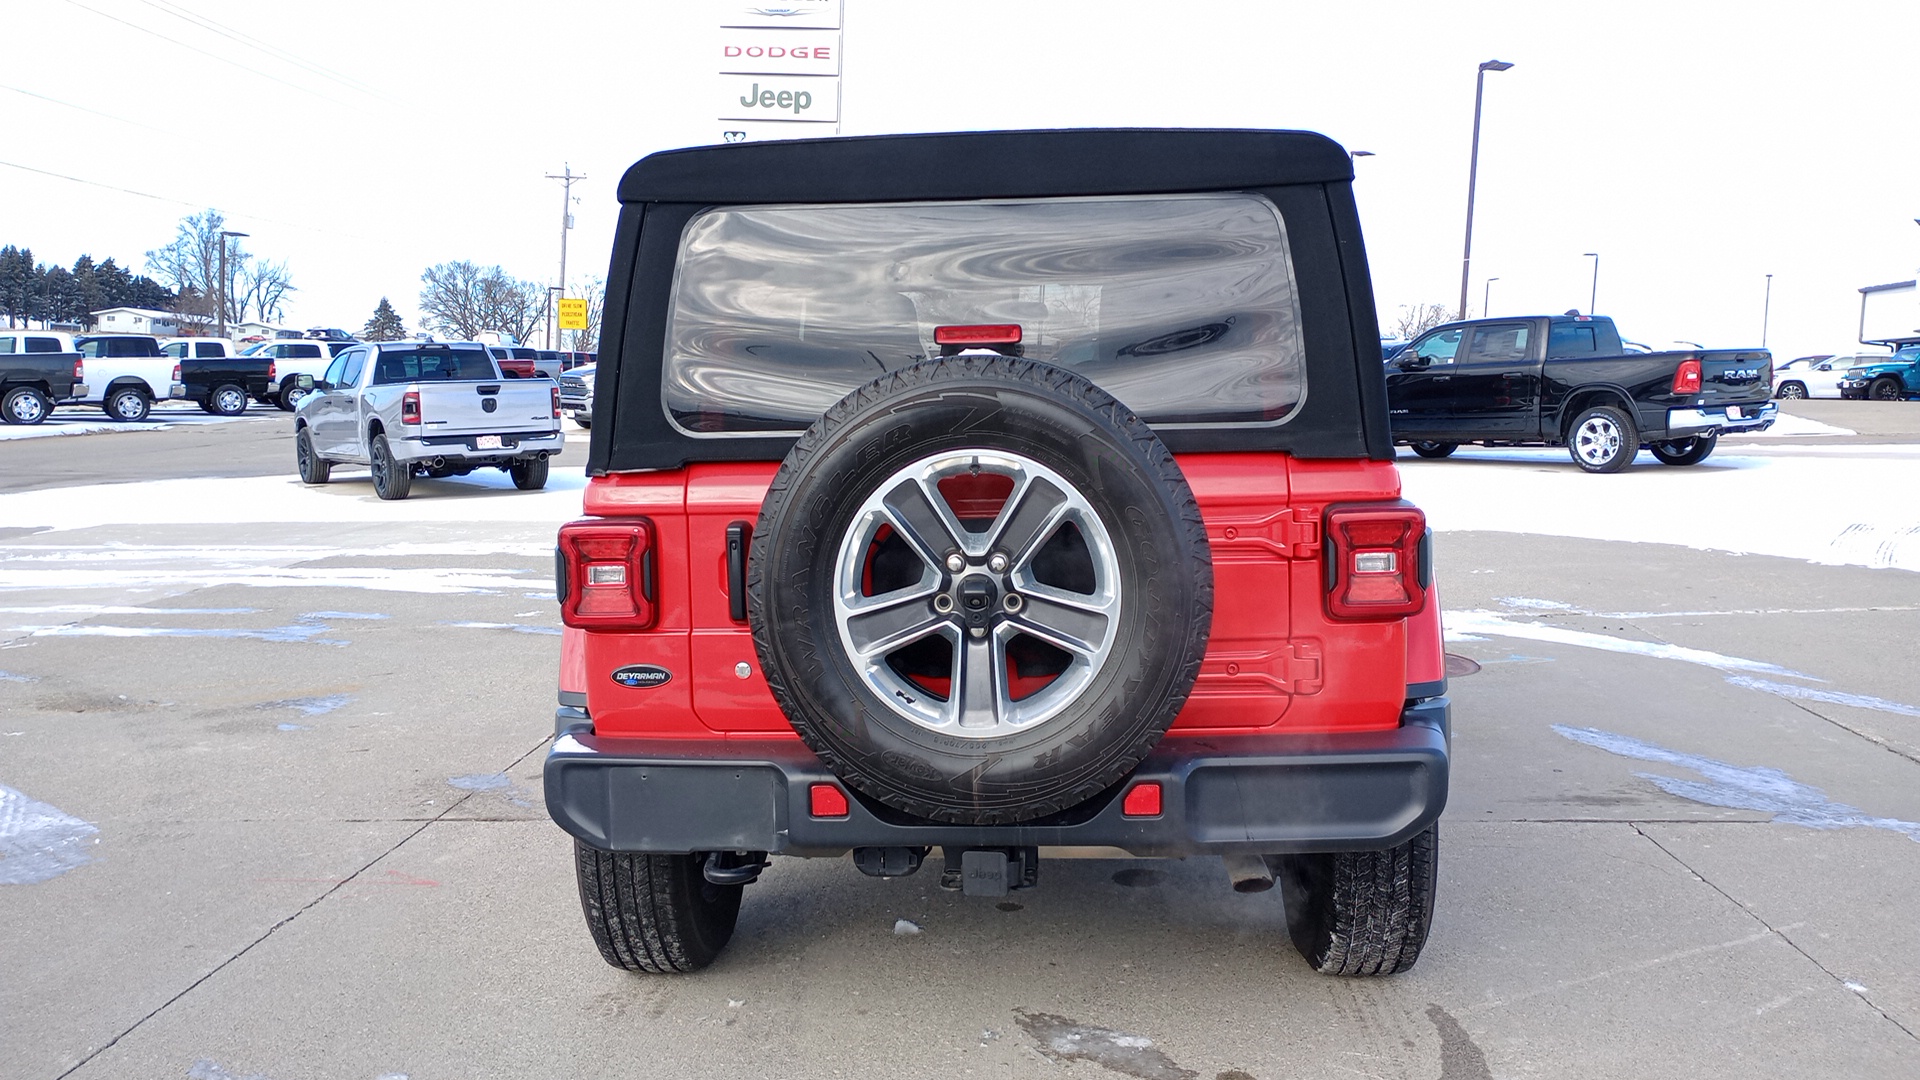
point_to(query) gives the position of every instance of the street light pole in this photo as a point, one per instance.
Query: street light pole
(1594, 294)
(224, 234)
(1485, 293)
(1766, 311)
(1473, 174)
(567, 177)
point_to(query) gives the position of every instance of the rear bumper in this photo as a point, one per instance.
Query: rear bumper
(1684, 423)
(1254, 794)
(466, 447)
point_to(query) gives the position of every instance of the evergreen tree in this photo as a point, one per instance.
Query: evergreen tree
(385, 324)
(17, 282)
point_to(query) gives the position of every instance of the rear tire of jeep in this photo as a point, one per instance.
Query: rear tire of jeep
(1090, 567)
(1435, 449)
(654, 913)
(1362, 912)
(1603, 439)
(530, 474)
(392, 480)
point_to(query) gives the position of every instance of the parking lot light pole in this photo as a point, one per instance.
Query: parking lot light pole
(1766, 311)
(224, 235)
(1473, 174)
(1486, 293)
(1594, 294)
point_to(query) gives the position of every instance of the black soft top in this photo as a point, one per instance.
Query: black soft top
(1306, 175)
(988, 165)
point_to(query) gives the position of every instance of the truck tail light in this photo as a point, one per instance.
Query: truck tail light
(273, 370)
(176, 373)
(556, 403)
(79, 370)
(605, 574)
(1686, 379)
(1374, 555)
(410, 407)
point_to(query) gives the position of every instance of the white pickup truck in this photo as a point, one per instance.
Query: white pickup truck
(291, 358)
(435, 408)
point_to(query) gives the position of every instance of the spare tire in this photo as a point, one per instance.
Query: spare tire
(980, 589)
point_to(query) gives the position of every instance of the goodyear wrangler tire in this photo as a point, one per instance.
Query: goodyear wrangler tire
(980, 589)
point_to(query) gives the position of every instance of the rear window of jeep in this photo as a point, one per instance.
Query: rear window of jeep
(1183, 307)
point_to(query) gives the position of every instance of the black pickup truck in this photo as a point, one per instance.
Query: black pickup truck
(37, 368)
(1566, 380)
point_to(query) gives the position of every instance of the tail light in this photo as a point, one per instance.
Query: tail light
(273, 370)
(79, 370)
(1000, 334)
(410, 407)
(176, 373)
(605, 574)
(556, 403)
(1375, 565)
(1686, 380)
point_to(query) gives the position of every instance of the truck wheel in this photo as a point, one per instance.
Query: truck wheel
(980, 589)
(1884, 390)
(1686, 451)
(128, 404)
(654, 913)
(529, 474)
(291, 397)
(1790, 390)
(391, 479)
(1362, 912)
(24, 405)
(314, 469)
(227, 400)
(1435, 449)
(1603, 439)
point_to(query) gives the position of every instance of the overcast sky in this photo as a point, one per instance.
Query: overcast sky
(1697, 147)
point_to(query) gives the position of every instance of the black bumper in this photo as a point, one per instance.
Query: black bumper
(1254, 794)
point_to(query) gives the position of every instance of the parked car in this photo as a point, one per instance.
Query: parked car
(1887, 378)
(516, 361)
(906, 530)
(125, 374)
(37, 368)
(1567, 380)
(287, 361)
(576, 394)
(578, 359)
(216, 375)
(1817, 376)
(440, 409)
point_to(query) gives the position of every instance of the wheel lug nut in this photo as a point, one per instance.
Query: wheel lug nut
(956, 562)
(997, 564)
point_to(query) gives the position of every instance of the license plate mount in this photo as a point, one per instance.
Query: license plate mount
(486, 442)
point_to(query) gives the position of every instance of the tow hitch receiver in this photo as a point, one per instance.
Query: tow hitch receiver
(990, 871)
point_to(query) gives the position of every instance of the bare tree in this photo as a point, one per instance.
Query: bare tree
(588, 340)
(1418, 319)
(463, 300)
(191, 266)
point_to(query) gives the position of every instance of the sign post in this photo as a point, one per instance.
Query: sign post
(779, 69)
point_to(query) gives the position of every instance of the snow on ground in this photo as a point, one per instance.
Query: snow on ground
(85, 420)
(488, 495)
(1835, 508)
(1787, 424)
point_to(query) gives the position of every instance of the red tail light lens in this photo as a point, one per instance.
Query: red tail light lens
(1686, 380)
(556, 403)
(606, 574)
(998, 334)
(176, 373)
(273, 370)
(1373, 561)
(410, 407)
(79, 371)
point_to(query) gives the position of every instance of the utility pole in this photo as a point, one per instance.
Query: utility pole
(567, 177)
(1766, 310)
(224, 235)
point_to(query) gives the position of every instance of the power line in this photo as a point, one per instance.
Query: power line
(84, 109)
(204, 52)
(243, 38)
(191, 205)
(98, 184)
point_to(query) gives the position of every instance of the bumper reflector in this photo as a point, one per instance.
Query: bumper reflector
(1143, 800)
(826, 800)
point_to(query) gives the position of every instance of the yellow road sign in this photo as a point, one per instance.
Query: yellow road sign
(573, 314)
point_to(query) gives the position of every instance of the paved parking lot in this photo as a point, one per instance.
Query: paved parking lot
(270, 803)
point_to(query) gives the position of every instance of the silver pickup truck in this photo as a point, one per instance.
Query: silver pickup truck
(436, 408)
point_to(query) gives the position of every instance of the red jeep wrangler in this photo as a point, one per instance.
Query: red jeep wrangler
(1015, 494)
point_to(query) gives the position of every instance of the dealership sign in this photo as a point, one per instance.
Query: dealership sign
(779, 69)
